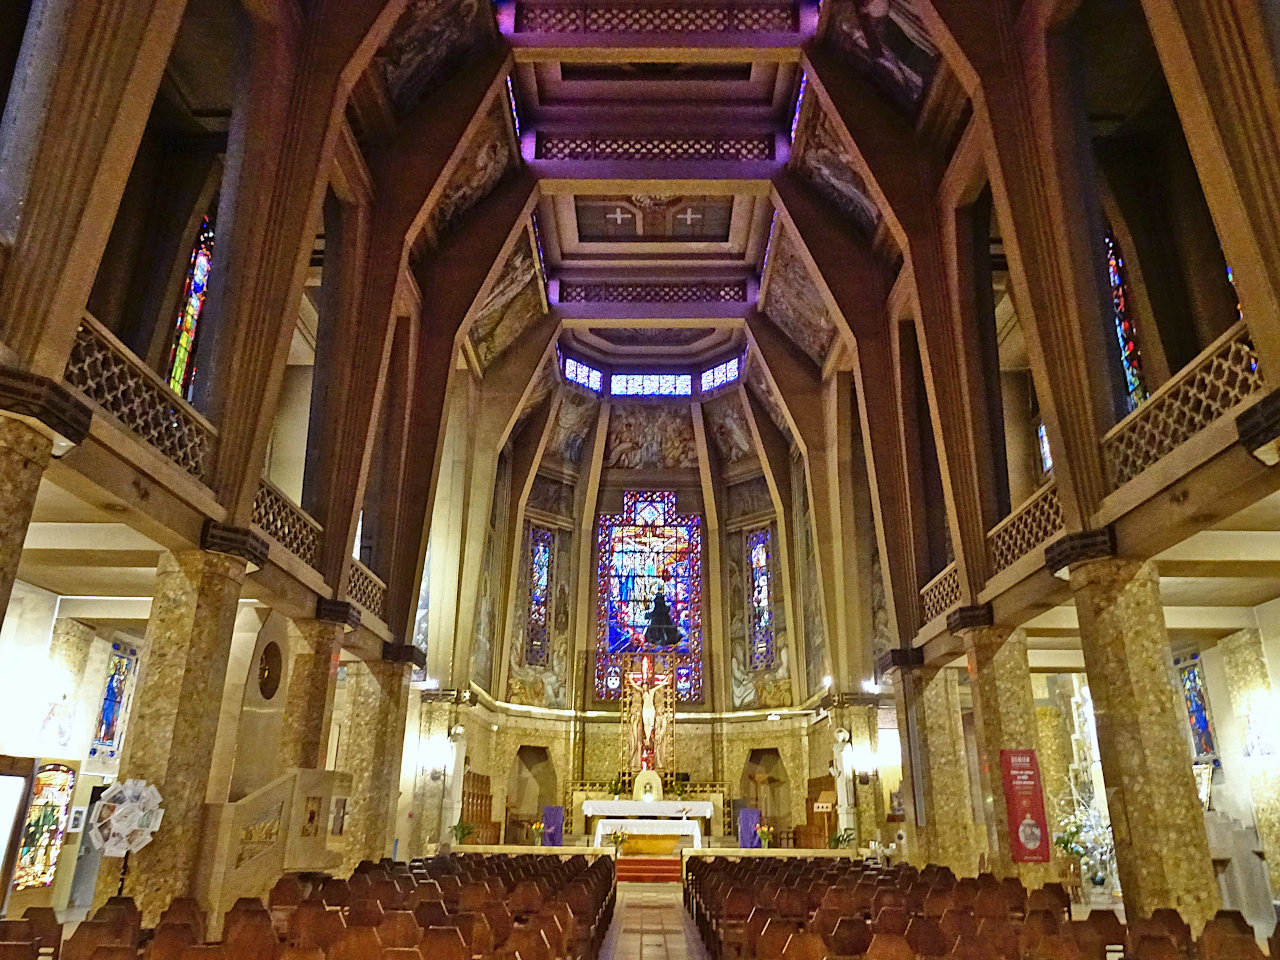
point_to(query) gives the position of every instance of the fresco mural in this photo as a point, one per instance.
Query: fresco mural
(749, 498)
(430, 41)
(575, 419)
(551, 496)
(762, 387)
(767, 684)
(822, 160)
(513, 304)
(728, 428)
(792, 300)
(487, 600)
(650, 436)
(886, 41)
(490, 154)
(543, 683)
(812, 616)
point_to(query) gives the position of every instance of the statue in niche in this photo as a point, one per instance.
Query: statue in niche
(662, 630)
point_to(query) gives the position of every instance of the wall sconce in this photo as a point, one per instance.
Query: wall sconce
(437, 756)
(865, 762)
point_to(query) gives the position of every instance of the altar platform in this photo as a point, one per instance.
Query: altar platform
(655, 826)
(674, 830)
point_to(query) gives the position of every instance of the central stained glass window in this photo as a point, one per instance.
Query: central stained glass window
(650, 569)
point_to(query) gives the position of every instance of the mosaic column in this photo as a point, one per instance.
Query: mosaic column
(435, 719)
(377, 697)
(24, 454)
(175, 716)
(1162, 851)
(1004, 719)
(1053, 736)
(308, 706)
(69, 651)
(863, 724)
(947, 798)
(917, 835)
(1249, 683)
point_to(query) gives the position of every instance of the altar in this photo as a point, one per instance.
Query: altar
(640, 809)
(676, 828)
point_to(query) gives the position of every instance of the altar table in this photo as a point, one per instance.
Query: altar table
(684, 828)
(673, 809)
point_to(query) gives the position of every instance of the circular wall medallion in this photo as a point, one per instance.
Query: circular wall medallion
(270, 664)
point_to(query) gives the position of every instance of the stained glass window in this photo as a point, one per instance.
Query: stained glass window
(1197, 701)
(1046, 455)
(511, 101)
(1126, 335)
(760, 603)
(182, 355)
(583, 375)
(650, 575)
(1231, 279)
(542, 544)
(795, 117)
(651, 384)
(768, 244)
(720, 374)
(45, 827)
(108, 734)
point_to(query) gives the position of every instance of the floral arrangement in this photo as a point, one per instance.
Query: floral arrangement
(1084, 833)
(765, 833)
(679, 788)
(537, 830)
(616, 839)
(461, 831)
(615, 786)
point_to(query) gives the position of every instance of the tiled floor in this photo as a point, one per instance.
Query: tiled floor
(650, 923)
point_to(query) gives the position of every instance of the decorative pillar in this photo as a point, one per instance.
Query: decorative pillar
(1162, 850)
(915, 835)
(1053, 736)
(24, 455)
(863, 724)
(431, 820)
(177, 707)
(1249, 683)
(69, 651)
(947, 798)
(1004, 719)
(313, 674)
(377, 698)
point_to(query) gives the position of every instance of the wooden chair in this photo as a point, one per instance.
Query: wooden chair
(889, 946)
(891, 920)
(18, 950)
(250, 939)
(805, 946)
(531, 943)
(89, 936)
(365, 912)
(169, 941)
(208, 951)
(46, 929)
(851, 937)
(443, 943)
(773, 939)
(1055, 947)
(927, 939)
(1158, 948)
(119, 951)
(476, 933)
(401, 953)
(356, 943)
(399, 929)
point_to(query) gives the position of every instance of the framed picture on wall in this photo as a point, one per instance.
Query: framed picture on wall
(77, 819)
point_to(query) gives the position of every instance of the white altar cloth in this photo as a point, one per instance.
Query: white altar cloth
(684, 828)
(674, 809)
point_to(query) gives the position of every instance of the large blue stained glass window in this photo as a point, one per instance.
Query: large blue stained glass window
(107, 735)
(760, 565)
(651, 384)
(182, 354)
(1126, 333)
(1197, 700)
(720, 374)
(582, 374)
(649, 575)
(542, 545)
(1046, 454)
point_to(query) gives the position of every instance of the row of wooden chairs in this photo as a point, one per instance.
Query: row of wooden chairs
(557, 909)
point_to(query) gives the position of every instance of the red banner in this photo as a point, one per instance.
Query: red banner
(1029, 835)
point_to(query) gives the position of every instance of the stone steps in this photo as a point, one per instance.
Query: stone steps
(649, 869)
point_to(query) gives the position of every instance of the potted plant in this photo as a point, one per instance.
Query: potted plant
(842, 838)
(616, 839)
(461, 831)
(765, 833)
(536, 831)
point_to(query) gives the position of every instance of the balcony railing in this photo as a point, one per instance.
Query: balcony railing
(108, 374)
(940, 594)
(638, 17)
(366, 589)
(1219, 379)
(286, 523)
(1038, 519)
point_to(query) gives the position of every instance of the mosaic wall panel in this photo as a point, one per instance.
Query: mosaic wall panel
(513, 304)
(648, 436)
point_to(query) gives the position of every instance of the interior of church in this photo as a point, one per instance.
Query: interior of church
(577, 479)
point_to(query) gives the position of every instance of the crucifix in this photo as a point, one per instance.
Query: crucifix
(688, 217)
(617, 216)
(650, 727)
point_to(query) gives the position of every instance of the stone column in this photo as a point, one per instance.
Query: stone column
(1004, 719)
(947, 798)
(1053, 735)
(917, 835)
(377, 696)
(175, 718)
(69, 650)
(24, 454)
(430, 822)
(1162, 851)
(308, 707)
(1249, 683)
(863, 724)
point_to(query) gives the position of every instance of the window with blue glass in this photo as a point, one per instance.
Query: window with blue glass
(720, 374)
(583, 375)
(537, 645)
(760, 603)
(651, 384)
(1126, 332)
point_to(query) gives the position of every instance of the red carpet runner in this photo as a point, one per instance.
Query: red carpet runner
(649, 869)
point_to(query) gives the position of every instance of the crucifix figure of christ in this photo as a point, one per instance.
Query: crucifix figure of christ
(648, 721)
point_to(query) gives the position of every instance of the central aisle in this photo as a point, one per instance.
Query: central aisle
(650, 923)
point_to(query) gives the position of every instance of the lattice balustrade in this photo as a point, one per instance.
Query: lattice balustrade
(367, 590)
(1214, 383)
(642, 18)
(940, 594)
(107, 373)
(286, 523)
(552, 147)
(1029, 526)
(697, 292)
